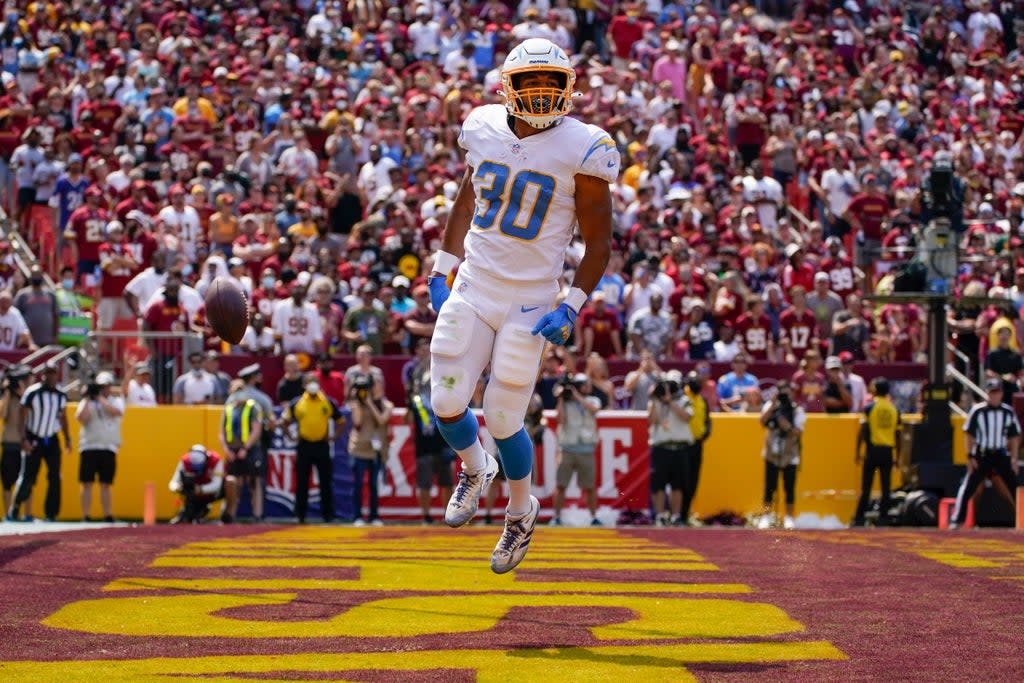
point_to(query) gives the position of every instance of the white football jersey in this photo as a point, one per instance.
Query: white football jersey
(526, 191)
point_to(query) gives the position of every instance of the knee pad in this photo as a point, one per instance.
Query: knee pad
(505, 407)
(450, 387)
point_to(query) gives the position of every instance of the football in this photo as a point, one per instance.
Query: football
(227, 310)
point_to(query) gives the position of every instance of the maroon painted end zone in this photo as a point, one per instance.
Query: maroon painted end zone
(895, 613)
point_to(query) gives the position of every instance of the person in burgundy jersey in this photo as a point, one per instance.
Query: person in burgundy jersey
(598, 329)
(166, 314)
(87, 231)
(844, 278)
(119, 265)
(754, 330)
(905, 337)
(809, 383)
(866, 214)
(797, 327)
(797, 270)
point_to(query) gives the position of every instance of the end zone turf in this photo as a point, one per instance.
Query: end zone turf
(406, 603)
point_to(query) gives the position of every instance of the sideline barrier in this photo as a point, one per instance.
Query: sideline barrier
(731, 477)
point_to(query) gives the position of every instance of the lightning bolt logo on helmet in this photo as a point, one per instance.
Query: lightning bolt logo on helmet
(539, 106)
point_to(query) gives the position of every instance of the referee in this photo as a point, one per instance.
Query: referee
(879, 431)
(993, 437)
(43, 416)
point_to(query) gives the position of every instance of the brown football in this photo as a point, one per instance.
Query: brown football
(227, 310)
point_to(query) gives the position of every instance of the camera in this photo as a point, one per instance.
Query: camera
(188, 483)
(665, 389)
(783, 410)
(361, 387)
(567, 382)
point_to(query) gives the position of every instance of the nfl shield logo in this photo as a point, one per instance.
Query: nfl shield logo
(516, 148)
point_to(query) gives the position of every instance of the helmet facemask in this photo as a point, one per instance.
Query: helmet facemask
(539, 106)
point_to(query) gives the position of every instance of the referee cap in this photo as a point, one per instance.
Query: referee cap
(993, 384)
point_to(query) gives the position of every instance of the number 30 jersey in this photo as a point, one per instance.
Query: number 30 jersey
(526, 191)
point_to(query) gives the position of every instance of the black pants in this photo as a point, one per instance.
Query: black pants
(42, 449)
(308, 454)
(989, 463)
(877, 458)
(771, 482)
(693, 459)
(363, 468)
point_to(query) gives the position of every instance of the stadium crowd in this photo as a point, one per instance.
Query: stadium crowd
(309, 150)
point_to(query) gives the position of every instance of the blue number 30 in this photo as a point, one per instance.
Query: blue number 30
(496, 178)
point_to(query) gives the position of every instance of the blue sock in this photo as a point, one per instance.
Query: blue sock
(516, 455)
(462, 433)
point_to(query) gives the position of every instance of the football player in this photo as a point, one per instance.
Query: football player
(532, 175)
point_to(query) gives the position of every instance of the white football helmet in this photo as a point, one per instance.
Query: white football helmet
(539, 107)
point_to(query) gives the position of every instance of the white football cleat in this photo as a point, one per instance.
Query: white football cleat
(765, 522)
(515, 539)
(466, 497)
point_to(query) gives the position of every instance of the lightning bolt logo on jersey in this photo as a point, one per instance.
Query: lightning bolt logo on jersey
(525, 191)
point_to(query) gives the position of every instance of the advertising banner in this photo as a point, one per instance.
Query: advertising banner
(621, 457)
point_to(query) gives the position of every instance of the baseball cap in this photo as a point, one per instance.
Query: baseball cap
(993, 384)
(820, 276)
(833, 363)
(400, 281)
(249, 371)
(845, 357)
(142, 368)
(105, 379)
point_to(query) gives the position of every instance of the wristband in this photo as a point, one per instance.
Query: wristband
(575, 299)
(444, 262)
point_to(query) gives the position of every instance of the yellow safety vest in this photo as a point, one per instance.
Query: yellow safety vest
(421, 410)
(700, 421)
(229, 422)
(883, 419)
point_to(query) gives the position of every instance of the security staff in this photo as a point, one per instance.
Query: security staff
(700, 427)
(313, 412)
(240, 433)
(879, 431)
(993, 439)
(42, 417)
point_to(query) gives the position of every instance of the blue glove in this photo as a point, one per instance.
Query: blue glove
(557, 325)
(439, 292)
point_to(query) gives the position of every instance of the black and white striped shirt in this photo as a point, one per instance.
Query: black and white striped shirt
(45, 405)
(992, 426)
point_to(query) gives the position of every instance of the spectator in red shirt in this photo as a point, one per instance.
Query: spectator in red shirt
(754, 331)
(332, 382)
(166, 314)
(598, 330)
(624, 31)
(87, 230)
(867, 213)
(797, 272)
(118, 265)
(843, 278)
(809, 383)
(797, 327)
(420, 320)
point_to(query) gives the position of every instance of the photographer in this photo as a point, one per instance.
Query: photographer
(668, 412)
(100, 415)
(577, 409)
(199, 479)
(784, 421)
(367, 443)
(10, 412)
